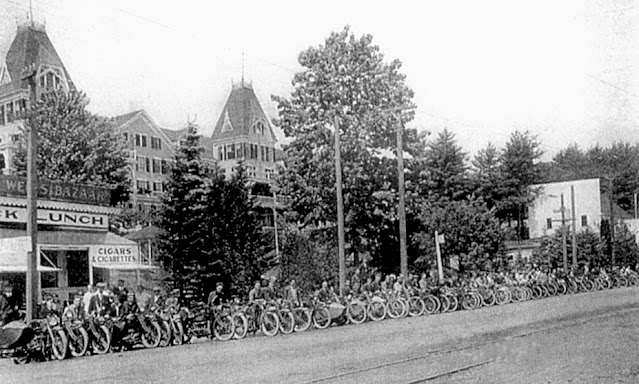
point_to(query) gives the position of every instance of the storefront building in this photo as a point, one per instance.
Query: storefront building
(75, 246)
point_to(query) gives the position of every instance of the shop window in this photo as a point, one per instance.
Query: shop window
(77, 268)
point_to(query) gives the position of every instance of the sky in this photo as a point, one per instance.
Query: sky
(567, 71)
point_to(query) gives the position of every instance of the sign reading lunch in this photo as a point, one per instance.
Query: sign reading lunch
(60, 218)
(54, 190)
(114, 254)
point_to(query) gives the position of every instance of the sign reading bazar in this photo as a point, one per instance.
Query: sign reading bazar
(50, 217)
(108, 254)
(54, 190)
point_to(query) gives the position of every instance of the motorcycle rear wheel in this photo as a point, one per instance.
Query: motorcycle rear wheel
(269, 323)
(241, 325)
(302, 319)
(178, 336)
(287, 322)
(376, 311)
(416, 306)
(223, 328)
(167, 334)
(356, 313)
(321, 318)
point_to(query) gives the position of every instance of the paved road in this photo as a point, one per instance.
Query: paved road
(581, 338)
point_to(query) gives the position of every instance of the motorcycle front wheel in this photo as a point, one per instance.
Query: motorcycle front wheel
(59, 345)
(79, 346)
(151, 338)
(102, 341)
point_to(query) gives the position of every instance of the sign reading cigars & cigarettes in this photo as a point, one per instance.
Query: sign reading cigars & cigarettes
(55, 190)
(104, 255)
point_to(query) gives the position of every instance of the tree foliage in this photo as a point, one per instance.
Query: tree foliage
(346, 79)
(471, 231)
(74, 145)
(211, 231)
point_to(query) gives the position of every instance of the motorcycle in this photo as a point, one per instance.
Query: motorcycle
(135, 329)
(99, 331)
(78, 337)
(201, 321)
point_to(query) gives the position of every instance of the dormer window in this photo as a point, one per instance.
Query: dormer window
(258, 128)
(51, 78)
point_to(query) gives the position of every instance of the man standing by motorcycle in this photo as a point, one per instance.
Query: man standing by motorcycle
(99, 302)
(217, 297)
(120, 292)
(154, 302)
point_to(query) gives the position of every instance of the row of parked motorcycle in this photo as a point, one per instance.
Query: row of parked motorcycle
(56, 338)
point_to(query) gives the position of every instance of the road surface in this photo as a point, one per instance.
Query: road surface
(584, 338)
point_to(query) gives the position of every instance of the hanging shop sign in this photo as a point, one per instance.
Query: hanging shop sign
(54, 190)
(109, 254)
(60, 218)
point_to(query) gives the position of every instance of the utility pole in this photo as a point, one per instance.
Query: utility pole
(277, 243)
(612, 224)
(563, 233)
(401, 209)
(403, 254)
(33, 277)
(340, 210)
(574, 227)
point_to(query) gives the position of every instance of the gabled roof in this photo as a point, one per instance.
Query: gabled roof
(241, 111)
(173, 134)
(125, 120)
(31, 46)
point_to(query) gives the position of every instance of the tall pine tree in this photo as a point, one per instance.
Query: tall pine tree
(184, 241)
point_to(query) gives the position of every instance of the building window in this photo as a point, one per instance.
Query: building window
(147, 164)
(15, 138)
(125, 135)
(261, 153)
(138, 140)
(141, 165)
(230, 151)
(548, 223)
(156, 143)
(584, 221)
(269, 174)
(10, 116)
(164, 167)
(157, 167)
(258, 128)
(2, 118)
(143, 141)
(251, 171)
(157, 186)
(253, 151)
(143, 186)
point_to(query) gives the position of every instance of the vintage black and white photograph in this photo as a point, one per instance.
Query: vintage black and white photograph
(349, 191)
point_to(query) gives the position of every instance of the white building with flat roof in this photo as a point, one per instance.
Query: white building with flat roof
(544, 216)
